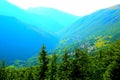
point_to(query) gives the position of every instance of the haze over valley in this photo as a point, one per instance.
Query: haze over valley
(54, 31)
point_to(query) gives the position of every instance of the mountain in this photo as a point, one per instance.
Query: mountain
(41, 21)
(63, 18)
(19, 40)
(105, 22)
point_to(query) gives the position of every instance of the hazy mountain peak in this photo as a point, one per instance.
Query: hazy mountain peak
(48, 10)
(63, 18)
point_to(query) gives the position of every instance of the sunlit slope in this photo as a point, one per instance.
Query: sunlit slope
(105, 22)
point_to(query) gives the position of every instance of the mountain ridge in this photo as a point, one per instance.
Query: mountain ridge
(65, 19)
(20, 40)
(104, 22)
(40, 21)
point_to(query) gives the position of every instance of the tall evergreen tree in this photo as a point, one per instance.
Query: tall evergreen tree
(52, 67)
(43, 62)
(64, 67)
(80, 65)
(3, 73)
(30, 75)
(115, 50)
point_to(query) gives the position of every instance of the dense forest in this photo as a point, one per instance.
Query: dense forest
(102, 64)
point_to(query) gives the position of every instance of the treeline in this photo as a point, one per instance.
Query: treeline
(103, 64)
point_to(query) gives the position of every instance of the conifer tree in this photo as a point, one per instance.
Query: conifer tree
(115, 50)
(75, 65)
(43, 61)
(52, 68)
(3, 73)
(30, 75)
(80, 65)
(64, 67)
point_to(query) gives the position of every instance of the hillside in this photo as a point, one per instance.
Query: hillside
(102, 23)
(19, 40)
(104, 64)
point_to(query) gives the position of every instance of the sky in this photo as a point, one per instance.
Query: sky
(75, 7)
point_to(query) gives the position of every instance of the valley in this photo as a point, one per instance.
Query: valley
(47, 43)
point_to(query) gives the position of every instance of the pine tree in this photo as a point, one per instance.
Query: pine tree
(43, 61)
(64, 67)
(3, 73)
(30, 75)
(52, 67)
(115, 50)
(75, 65)
(80, 65)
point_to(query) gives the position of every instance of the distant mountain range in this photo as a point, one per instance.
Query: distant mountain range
(23, 32)
(105, 22)
(63, 18)
(43, 20)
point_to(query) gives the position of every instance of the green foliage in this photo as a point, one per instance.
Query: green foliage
(104, 64)
(43, 61)
(3, 70)
(52, 68)
(100, 43)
